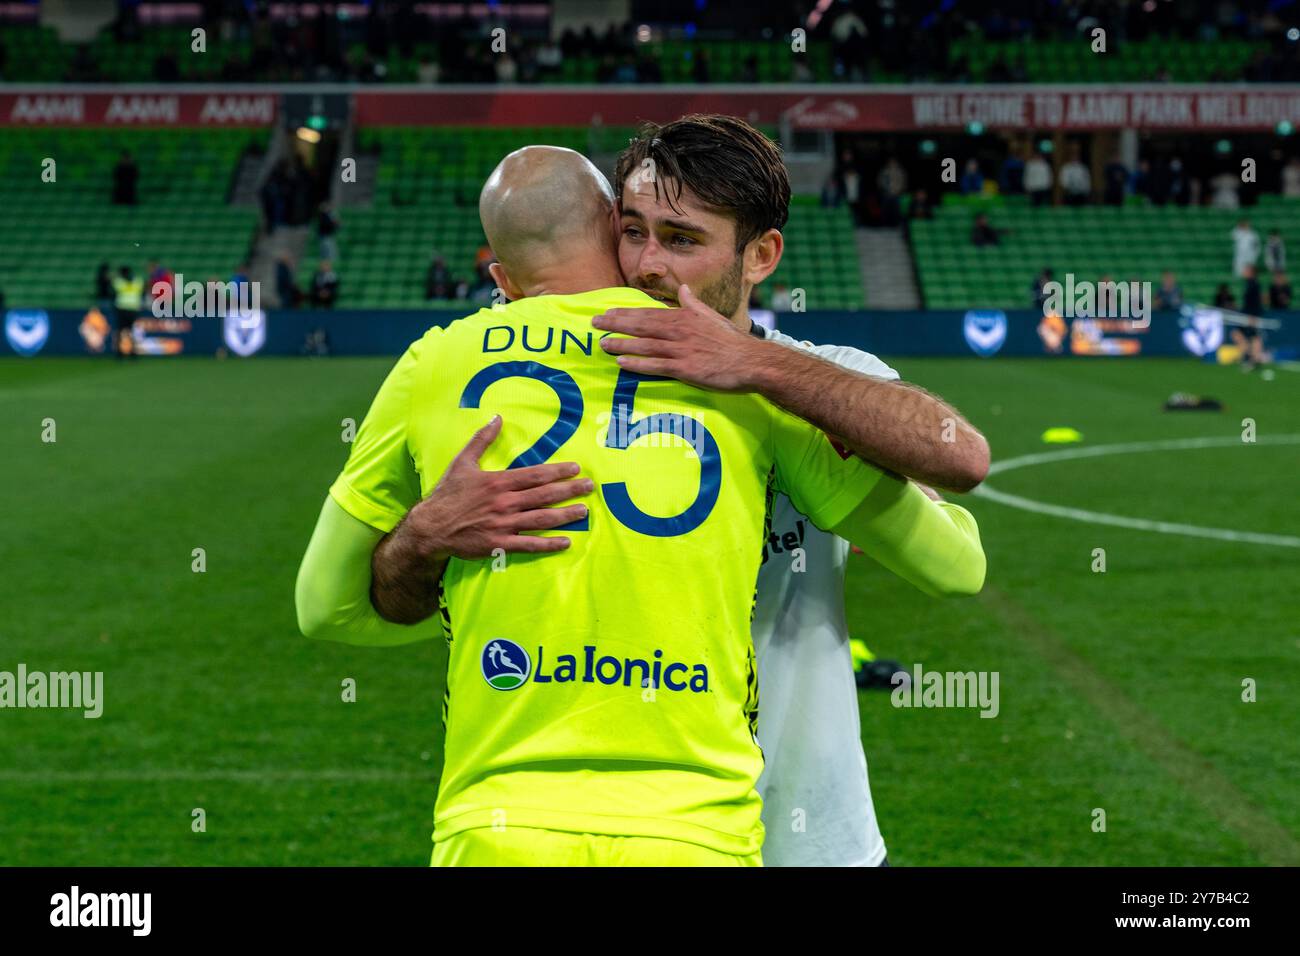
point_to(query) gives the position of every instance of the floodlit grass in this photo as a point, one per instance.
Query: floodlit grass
(1119, 691)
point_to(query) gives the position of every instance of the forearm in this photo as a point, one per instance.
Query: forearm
(934, 545)
(332, 595)
(405, 577)
(899, 427)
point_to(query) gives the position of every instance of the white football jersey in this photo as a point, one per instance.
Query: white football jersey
(817, 806)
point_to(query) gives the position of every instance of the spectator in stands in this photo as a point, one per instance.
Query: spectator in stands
(1291, 179)
(482, 290)
(1225, 192)
(832, 191)
(972, 180)
(1170, 294)
(548, 57)
(851, 185)
(1223, 298)
(327, 227)
(1275, 252)
(892, 183)
(983, 234)
(1011, 178)
(1039, 287)
(1158, 182)
(439, 283)
(273, 200)
(286, 286)
(324, 285)
(505, 68)
(158, 280)
(1038, 180)
(1076, 181)
(1245, 247)
(648, 69)
(125, 177)
(128, 294)
(239, 278)
(1115, 177)
(1252, 297)
(1279, 291)
(104, 289)
(849, 45)
(427, 71)
(1179, 185)
(920, 207)
(1142, 179)
(700, 66)
(781, 298)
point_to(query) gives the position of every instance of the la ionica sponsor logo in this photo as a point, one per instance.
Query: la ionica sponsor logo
(506, 665)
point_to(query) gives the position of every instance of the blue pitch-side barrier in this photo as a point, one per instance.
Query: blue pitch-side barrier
(987, 333)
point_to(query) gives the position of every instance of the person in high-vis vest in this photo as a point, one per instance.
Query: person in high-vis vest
(128, 292)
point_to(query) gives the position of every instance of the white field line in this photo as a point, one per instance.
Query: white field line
(1122, 521)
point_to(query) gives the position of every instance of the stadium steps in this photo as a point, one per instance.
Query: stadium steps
(887, 272)
(248, 179)
(362, 192)
(290, 239)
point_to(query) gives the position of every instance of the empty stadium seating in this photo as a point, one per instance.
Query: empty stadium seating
(1135, 241)
(427, 198)
(57, 233)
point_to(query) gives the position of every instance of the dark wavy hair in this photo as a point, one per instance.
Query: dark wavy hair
(723, 160)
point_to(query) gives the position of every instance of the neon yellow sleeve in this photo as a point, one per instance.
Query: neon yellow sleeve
(333, 590)
(823, 483)
(935, 545)
(379, 483)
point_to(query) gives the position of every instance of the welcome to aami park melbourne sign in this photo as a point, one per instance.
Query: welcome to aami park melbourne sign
(831, 107)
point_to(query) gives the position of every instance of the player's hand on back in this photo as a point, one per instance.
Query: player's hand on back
(692, 343)
(472, 512)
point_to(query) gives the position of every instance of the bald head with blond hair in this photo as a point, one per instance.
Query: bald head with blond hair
(547, 210)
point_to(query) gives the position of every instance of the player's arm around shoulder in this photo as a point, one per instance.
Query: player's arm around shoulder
(860, 400)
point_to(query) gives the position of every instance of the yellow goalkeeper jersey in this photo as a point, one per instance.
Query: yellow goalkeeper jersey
(610, 688)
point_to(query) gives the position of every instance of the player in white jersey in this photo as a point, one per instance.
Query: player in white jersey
(687, 190)
(817, 808)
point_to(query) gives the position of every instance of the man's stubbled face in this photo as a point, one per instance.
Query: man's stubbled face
(661, 247)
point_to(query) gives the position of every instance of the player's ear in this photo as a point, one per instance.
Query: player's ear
(616, 221)
(762, 256)
(502, 279)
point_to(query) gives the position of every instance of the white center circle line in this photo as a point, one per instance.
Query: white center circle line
(1122, 521)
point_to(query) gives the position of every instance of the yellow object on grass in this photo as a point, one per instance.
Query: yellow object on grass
(1061, 436)
(861, 653)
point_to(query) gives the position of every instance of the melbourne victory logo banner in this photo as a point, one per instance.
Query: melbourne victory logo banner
(985, 330)
(245, 332)
(26, 330)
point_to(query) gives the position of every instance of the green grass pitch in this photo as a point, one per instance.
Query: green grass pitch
(1119, 690)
